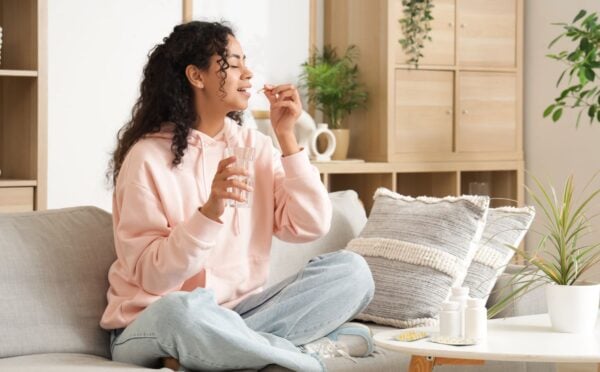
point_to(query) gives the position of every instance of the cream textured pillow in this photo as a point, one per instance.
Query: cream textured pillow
(504, 226)
(417, 249)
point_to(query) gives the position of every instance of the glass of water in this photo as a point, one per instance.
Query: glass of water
(245, 160)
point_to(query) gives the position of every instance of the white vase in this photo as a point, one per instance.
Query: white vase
(322, 129)
(573, 308)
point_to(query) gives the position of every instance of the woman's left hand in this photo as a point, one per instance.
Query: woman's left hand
(285, 107)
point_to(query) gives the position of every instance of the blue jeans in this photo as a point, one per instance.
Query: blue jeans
(263, 329)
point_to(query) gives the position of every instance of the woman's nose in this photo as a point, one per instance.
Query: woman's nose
(248, 74)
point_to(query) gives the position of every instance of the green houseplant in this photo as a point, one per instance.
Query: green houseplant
(416, 26)
(333, 86)
(560, 258)
(582, 67)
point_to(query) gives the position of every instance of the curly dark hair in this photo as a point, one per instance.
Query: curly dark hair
(165, 92)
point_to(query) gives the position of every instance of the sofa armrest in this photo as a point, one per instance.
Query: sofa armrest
(533, 302)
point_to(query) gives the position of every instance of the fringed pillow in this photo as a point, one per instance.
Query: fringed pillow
(417, 249)
(505, 227)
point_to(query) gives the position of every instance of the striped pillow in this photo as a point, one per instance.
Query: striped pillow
(504, 226)
(417, 249)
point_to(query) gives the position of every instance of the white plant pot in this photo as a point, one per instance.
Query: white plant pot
(573, 308)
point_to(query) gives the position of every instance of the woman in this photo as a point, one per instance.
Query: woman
(187, 282)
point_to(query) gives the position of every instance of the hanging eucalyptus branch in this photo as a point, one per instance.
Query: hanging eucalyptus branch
(415, 28)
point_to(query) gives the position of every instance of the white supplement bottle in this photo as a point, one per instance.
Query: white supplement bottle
(476, 319)
(460, 295)
(450, 319)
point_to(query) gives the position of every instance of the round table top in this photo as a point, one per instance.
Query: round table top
(518, 339)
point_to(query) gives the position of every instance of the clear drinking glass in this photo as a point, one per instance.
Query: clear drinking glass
(245, 160)
(479, 188)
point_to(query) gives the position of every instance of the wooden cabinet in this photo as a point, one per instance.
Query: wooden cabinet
(463, 103)
(16, 199)
(23, 105)
(441, 47)
(487, 33)
(487, 118)
(453, 122)
(423, 111)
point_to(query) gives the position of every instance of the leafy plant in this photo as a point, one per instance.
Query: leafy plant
(416, 25)
(332, 83)
(583, 64)
(559, 257)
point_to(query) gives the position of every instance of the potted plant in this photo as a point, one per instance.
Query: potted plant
(560, 259)
(333, 86)
(416, 26)
(572, 304)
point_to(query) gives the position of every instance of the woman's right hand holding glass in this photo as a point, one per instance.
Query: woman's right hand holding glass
(222, 188)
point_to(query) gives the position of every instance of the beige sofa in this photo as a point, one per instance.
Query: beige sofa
(53, 280)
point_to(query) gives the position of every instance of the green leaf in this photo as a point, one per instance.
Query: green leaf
(555, 40)
(548, 110)
(560, 78)
(557, 114)
(579, 15)
(589, 74)
(592, 112)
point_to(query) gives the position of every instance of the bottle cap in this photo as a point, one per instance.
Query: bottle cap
(460, 291)
(475, 302)
(450, 305)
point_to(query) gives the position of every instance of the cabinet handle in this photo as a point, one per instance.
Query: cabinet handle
(462, 25)
(450, 24)
(466, 112)
(449, 112)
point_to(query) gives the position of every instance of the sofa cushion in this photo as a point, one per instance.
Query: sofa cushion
(348, 219)
(504, 226)
(417, 249)
(67, 362)
(53, 281)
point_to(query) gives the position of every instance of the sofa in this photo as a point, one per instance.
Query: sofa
(53, 283)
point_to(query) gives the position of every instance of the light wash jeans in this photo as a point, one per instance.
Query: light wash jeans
(263, 329)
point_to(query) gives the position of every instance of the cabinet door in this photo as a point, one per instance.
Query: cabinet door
(488, 112)
(16, 199)
(438, 51)
(487, 33)
(423, 111)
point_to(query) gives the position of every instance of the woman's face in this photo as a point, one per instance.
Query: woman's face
(234, 94)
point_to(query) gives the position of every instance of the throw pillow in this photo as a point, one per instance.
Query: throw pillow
(504, 226)
(417, 249)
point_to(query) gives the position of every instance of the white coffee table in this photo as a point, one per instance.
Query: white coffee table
(517, 339)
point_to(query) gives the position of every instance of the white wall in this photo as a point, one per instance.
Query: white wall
(554, 151)
(273, 33)
(97, 49)
(96, 52)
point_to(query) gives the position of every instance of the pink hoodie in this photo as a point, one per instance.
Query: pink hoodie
(164, 244)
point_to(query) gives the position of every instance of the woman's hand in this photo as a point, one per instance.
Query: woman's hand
(225, 179)
(285, 110)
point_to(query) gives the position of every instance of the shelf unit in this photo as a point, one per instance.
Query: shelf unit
(463, 103)
(23, 105)
(455, 120)
(431, 179)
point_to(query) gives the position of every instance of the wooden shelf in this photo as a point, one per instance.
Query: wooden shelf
(25, 73)
(503, 178)
(23, 105)
(17, 183)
